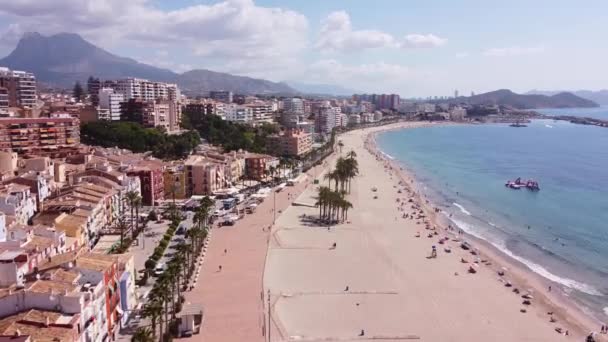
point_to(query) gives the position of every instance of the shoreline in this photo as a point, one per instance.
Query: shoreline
(569, 313)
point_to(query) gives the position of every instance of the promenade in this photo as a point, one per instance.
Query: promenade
(232, 298)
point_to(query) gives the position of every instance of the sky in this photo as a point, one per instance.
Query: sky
(415, 48)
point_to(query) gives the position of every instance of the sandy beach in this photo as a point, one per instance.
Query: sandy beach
(379, 282)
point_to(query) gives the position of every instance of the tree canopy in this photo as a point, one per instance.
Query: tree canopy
(230, 135)
(137, 138)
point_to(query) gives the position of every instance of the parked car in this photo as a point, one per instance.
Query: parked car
(160, 268)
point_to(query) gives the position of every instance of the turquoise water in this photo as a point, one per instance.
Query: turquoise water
(596, 113)
(560, 232)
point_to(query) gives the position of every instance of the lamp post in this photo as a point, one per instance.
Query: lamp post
(269, 319)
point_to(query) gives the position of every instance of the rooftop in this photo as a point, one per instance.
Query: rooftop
(95, 261)
(34, 324)
(47, 286)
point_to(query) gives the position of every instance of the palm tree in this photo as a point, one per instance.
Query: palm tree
(131, 199)
(323, 200)
(143, 334)
(137, 203)
(153, 310)
(172, 211)
(351, 170)
(184, 250)
(121, 226)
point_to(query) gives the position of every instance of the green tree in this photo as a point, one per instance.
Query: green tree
(143, 334)
(153, 310)
(78, 92)
(133, 200)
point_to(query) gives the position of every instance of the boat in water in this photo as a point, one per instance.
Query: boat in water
(517, 124)
(518, 184)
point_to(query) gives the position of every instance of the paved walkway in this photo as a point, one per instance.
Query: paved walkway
(232, 298)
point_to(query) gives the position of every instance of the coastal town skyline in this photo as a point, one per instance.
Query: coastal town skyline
(414, 49)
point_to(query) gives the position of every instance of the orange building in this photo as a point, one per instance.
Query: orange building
(23, 135)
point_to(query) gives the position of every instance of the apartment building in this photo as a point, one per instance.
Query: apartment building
(20, 88)
(204, 176)
(142, 89)
(174, 178)
(109, 104)
(223, 96)
(255, 166)
(293, 143)
(25, 135)
(3, 98)
(261, 111)
(96, 268)
(239, 114)
(152, 181)
(17, 202)
(325, 120)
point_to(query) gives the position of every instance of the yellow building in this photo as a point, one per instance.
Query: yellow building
(175, 182)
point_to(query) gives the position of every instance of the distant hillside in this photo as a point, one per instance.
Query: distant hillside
(509, 98)
(325, 89)
(64, 58)
(599, 96)
(204, 80)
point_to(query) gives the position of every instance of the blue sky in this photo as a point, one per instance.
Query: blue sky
(410, 47)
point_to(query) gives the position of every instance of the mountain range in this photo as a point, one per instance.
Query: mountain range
(599, 96)
(64, 58)
(529, 101)
(326, 89)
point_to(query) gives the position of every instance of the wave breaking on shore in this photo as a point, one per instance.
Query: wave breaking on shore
(534, 267)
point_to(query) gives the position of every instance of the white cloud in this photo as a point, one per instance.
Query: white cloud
(462, 55)
(337, 34)
(227, 31)
(513, 51)
(331, 70)
(422, 41)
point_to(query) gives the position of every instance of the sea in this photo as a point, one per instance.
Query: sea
(559, 232)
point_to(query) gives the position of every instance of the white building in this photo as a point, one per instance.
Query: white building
(341, 120)
(262, 112)
(17, 201)
(377, 116)
(109, 104)
(354, 119)
(293, 105)
(240, 114)
(457, 114)
(21, 87)
(137, 88)
(325, 120)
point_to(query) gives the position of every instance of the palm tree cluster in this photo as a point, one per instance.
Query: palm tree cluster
(166, 295)
(346, 169)
(332, 204)
(134, 201)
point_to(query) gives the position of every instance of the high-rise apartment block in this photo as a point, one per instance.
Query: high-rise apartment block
(109, 103)
(137, 88)
(20, 88)
(23, 135)
(382, 101)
